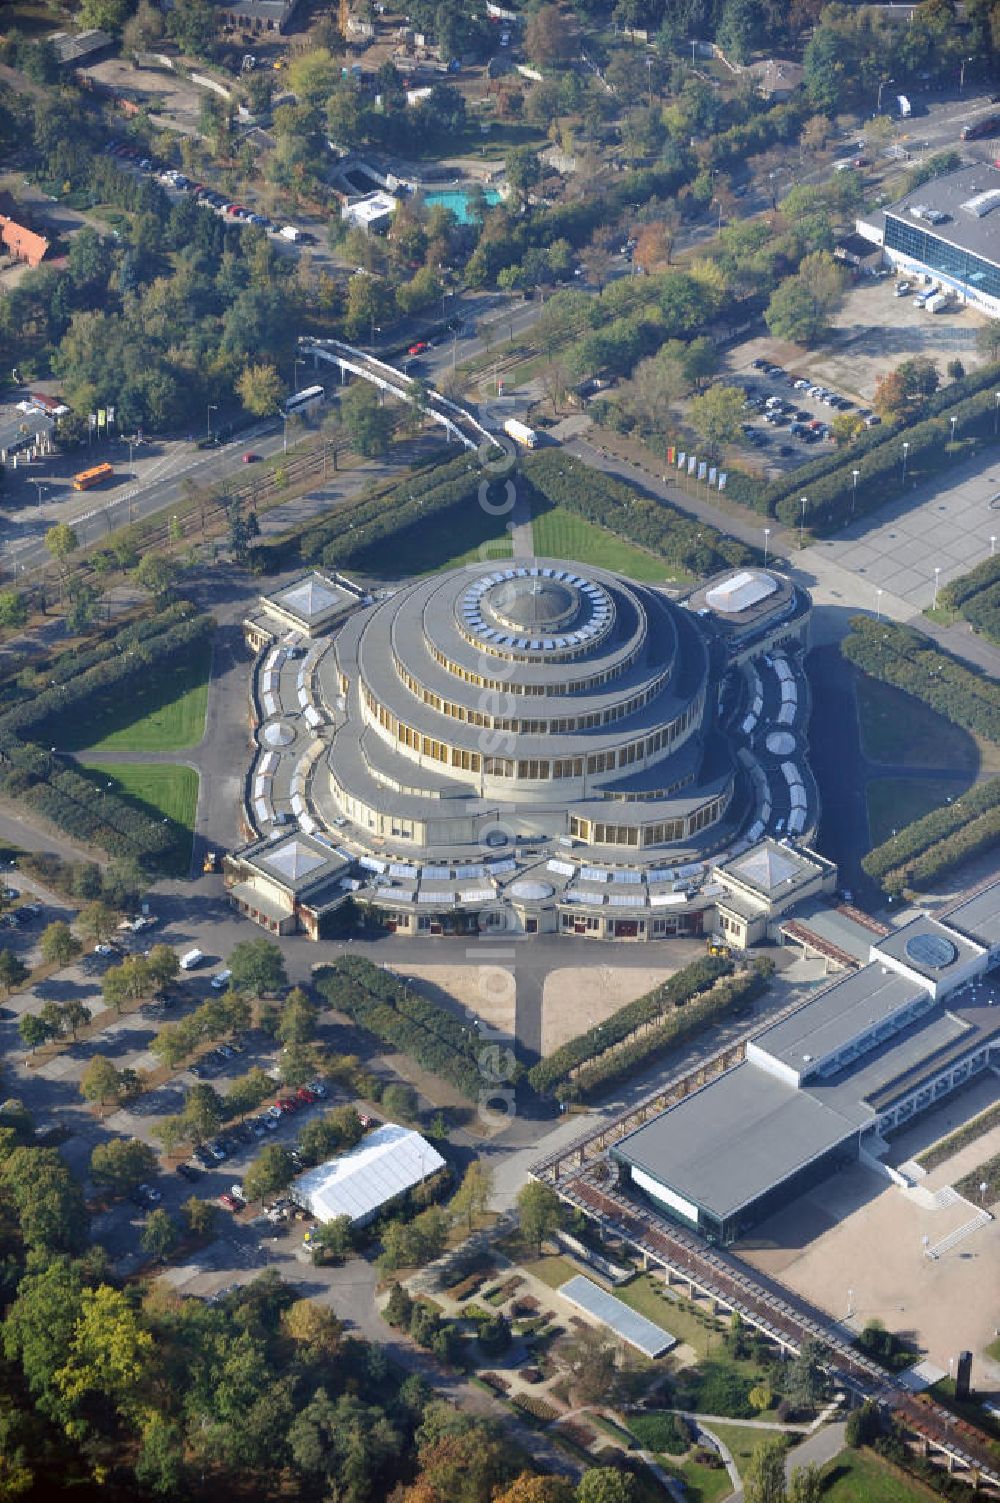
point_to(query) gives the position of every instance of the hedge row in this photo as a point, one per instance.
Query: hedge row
(106, 674)
(349, 536)
(380, 1003)
(560, 480)
(70, 800)
(970, 840)
(976, 596)
(923, 834)
(617, 1064)
(586, 1047)
(904, 657)
(60, 793)
(828, 483)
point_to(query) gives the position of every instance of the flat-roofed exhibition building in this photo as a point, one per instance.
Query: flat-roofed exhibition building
(825, 1085)
(538, 743)
(948, 228)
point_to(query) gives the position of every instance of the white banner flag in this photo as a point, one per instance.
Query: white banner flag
(681, 460)
(702, 470)
(692, 462)
(711, 475)
(722, 480)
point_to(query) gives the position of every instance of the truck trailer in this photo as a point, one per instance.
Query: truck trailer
(521, 433)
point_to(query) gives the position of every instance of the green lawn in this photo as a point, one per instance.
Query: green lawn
(899, 729)
(552, 1271)
(676, 1316)
(895, 802)
(562, 534)
(167, 713)
(158, 788)
(702, 1484)
(473, 537)
(860, 1477)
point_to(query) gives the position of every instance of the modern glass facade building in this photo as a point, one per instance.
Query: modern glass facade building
(949, 229)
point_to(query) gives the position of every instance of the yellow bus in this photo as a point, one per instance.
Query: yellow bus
(87, 478)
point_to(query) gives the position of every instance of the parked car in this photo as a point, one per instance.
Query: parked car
(217, 1151)
(146, 1195)
(188, 1172)
(230, 1202)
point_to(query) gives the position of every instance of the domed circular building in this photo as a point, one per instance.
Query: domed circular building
(537, 748)
(537, 700)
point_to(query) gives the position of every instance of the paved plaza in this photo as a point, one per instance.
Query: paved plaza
(941, 525)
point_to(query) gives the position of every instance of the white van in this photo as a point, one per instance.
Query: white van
(191, 960)
(221, 981)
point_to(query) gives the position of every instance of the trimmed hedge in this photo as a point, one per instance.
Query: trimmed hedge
(59, 792)
(976, 596)
(697, 977)
(560, 480)
(904, 657)
(920, 836)
(617, 1064)
(380, 1003)
(828, 484)
(971, 839)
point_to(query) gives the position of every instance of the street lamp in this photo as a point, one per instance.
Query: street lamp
(767, 534)
(881, 86)
(295, 371)
(212, 407)
(961, 76)
(38, 484)
(953, 421)
(850, 1304)
(996, 414)
(878, 605)
(802, 524)
(993, 545)
(854, 493)
(906, 450)
(937, 577)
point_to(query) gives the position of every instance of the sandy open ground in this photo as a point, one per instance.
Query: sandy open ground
(485, 990)
(856, 1243)
(579, 996)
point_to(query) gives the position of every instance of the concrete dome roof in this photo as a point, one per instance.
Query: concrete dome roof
(530, 603)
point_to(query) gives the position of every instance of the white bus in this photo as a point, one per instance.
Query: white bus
(304, 401)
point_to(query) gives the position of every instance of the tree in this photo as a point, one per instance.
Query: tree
(143, 29)
(13, 972)
(32, 1029)
(160, 1235)
(257, 967)
(200, 1216)
(523, 169)
(13, 608)
(192, 24)
(313, 76)
(764, 1473)
(548, 37)
(248, 1091)
(591, 1356)
(761, 1397)
(400, 1101)
(101, 1081)
(333, 1240)
(605, 1484)
(260, 389)
(716, 415)
(955, 370)
(270, 1172)
(61, 540)
(805, 1383)
(368, 425)
(158, 573)
(106, 15)
(96, 921)
(540, 1212)
(806, 1485)
(314, 1327)
(474, 1193)
(202, 1112)
(890, 397)
(77, 1015)
(59, 945)
(653, 247)
(164, 967)
(919, 376)
(530, 1488)
(121, 1164)
(54, 1019)
(108, 1350)
(800, 308)
(988, 339)
(297, 1021)
(863, 1425)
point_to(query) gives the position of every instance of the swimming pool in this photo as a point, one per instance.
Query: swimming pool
(458, 200)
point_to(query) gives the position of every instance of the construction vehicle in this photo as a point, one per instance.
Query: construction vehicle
(716, 946)
(211, 862)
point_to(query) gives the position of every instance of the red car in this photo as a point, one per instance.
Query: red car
(304, 1094)
(229, 1201)
(287, 1104)
(251, 458)
(418, 348)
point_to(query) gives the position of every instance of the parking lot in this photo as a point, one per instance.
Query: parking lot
(872, 332)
